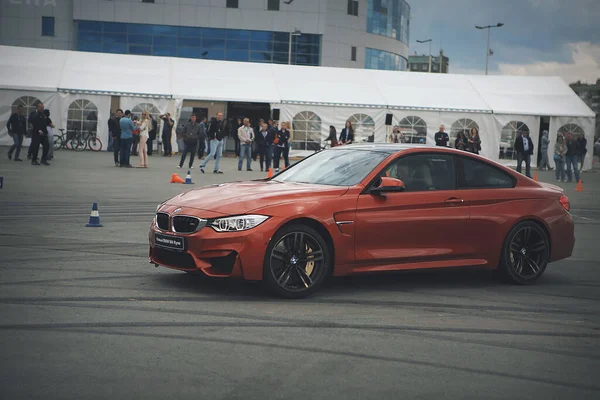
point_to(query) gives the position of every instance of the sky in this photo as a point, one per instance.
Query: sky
(539, 37)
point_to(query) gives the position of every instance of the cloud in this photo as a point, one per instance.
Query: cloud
(584, 65)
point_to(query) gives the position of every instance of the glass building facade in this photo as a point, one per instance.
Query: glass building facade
(193, 42)
(389, 18)
(379, 59)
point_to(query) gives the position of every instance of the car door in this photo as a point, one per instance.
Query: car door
(426, 222)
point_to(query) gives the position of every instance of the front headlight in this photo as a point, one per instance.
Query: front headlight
(237, 224)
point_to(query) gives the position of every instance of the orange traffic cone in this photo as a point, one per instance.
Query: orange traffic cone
(270, 173)
(535, 177)
(579, 187)
(176, 179)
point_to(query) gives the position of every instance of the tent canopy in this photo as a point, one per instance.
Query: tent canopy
(194, 79)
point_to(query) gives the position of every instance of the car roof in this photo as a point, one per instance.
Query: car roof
(384, 147)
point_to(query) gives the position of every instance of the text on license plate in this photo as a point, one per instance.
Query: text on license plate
(169, 242)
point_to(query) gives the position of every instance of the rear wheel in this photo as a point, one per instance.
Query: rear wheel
(525, 254)
(297, 262)
(58, 142)
(78, 144)
(94, 144)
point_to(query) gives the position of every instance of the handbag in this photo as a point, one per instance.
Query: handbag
(557, 157)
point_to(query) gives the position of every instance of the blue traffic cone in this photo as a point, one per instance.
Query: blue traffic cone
(188, 178)
(94, 218)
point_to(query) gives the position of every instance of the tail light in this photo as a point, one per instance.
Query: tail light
(564, 201)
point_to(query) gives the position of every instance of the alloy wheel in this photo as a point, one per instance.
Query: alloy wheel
(528, 252)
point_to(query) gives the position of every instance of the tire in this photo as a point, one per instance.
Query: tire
(525, 254)
(78, 145)
(57, 142)
(297, 262)
(94, 144)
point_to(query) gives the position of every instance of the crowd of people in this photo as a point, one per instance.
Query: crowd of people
(41, 134)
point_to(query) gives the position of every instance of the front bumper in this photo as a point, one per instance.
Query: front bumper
(216, 254)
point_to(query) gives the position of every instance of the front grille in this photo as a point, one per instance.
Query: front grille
(185, 224)
(162, 221)
(174, 258)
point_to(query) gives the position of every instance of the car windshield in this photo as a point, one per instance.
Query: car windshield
(334, 167)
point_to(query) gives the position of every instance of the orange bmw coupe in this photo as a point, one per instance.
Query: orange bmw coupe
(366, 208)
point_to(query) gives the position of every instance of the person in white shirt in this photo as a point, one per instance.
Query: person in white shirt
(246, 135)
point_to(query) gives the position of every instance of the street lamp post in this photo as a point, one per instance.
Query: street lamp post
(425, 41)
(487, 53)
(295, 32)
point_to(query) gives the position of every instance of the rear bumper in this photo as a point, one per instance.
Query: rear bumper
(562, 237)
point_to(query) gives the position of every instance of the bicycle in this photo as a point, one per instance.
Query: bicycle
(85, 140)
(59, 140)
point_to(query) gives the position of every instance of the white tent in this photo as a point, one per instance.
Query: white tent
(313, 98)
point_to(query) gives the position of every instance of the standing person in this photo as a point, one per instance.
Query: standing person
(461, 142)
(332, 138)
(39, 136)
(145, 127)
(245, 134)
(572, 157)
(32, 132)
(524, 148)
(473, 141)
(166, 134)
(115, 132)
(151, 135)
(136, 136)
(545, 164)
(190, 134)
(202, 139)
(560, 151)
(127, 128)
(50, 129)
(215, 135)
(441, 137)
(235, 127)
(347, 134)
(17, 128)
(281, 146)
(582, 144)
(264, 145)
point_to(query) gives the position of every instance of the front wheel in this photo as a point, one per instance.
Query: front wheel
(297, 262)
(78, 144)
(525, 254)
(94, 144)
(58, 142)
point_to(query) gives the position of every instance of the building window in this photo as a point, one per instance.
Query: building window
(413, 130)
(47, 26)
(146, 107)
(82, 115)
(273, 5)
(507, 139)
(434, 67)
(29, 103)
(463, 126)
(232, 4)
(307, 131)
(425, 67)
(389, 18)
(353, 54)
(353, 7)
(379, 59)
(195, 42)
(364, 128)
(575, 129)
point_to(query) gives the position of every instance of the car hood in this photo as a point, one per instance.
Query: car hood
(242, 197)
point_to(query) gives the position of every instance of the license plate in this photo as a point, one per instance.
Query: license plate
(169, 242)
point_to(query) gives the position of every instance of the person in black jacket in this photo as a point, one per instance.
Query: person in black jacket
(215, 136)
(17, 127)
(151, 134)
(264, 144)
(524, 148)
(347, 134)
(281, 144)
(441, 138)
(39, 136)
(115, 132)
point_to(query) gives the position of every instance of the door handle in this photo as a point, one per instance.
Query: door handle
(454, 200)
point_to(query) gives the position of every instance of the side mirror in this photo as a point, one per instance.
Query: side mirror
(388, 185)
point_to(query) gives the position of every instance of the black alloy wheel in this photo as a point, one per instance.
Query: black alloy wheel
(297, 262)
(526, 253)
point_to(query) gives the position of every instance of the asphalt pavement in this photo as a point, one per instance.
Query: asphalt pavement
(84, 315)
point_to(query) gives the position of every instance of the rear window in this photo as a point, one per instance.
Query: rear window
(474, 174)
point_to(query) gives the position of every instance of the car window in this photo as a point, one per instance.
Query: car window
(424, 172)
(474, 174)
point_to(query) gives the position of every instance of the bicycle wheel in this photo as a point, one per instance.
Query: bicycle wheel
(94, 144)
(58, 142)
(78, 145)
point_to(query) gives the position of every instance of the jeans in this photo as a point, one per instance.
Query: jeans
(279, 151)
(188, 147)
(149, 146)
(36, 140)
(216, 150)
(125, 151)
(17, 144)
(527, 159)
(237, 145)
(167, 147)
(544, 163)
(265, 153)
(560, 169)
(245, 151)
(572, 162)
(116, 148)
(111, 142)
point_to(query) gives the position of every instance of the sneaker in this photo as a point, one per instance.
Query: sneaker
(117, 164)
(10, 156)
(239, 169)
(45, 162)
(249, 169)
(18, 159)
(202, 169)
(191, 167)
(35, 163)
(276, 169)
(179, 167)
(217, 172)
